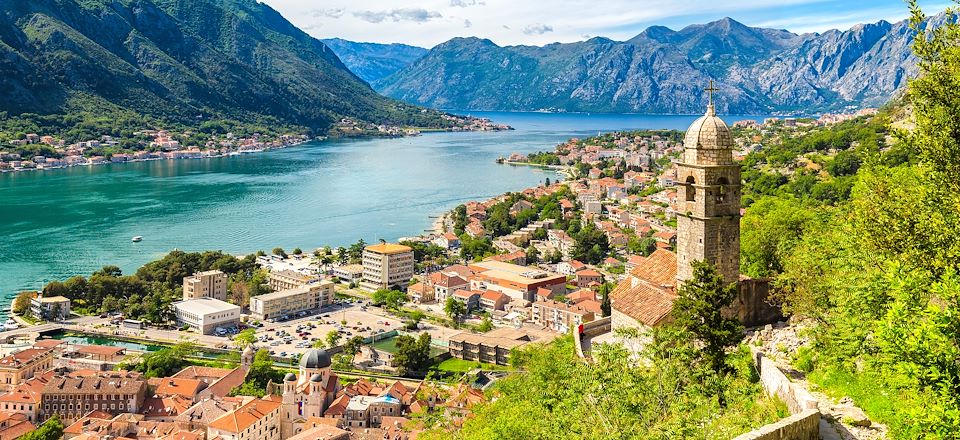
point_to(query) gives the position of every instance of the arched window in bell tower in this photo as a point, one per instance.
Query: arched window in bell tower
(722, 191)
(691, 191)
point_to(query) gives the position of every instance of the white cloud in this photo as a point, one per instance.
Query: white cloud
(466, 3)
(417, 15)
(537, 29)
(429, 22)
(329, 13)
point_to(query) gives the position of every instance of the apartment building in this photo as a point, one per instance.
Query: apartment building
(515, 281)
(560, 317)
(209, 284)
(492, 347)
(445, 283)
(52, 308)
(24, 364)
(349, 273)
(72, 397)
(289, 279)
(206, 314)
(386, 265)
(287, 303)
(258, 419)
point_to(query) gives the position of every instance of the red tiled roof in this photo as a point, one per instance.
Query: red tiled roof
(660, 268)
(582, 295)
(646, 303)
(647, 294)
(241, 418)
(493, 295)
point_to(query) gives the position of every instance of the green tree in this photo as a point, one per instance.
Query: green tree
(412, 354)
(297, 251)
(245, 338)
(456, 310)
(279, 252)
(485, 325)
(698, 310)
(533, 255)
(21, 304)
(332, 338)
(262, 371)
(389, 299)
(591, 245)
(770, 228)
(52, 429)
(166, 362)
(352, 346)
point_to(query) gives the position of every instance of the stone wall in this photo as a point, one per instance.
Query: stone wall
(753, 306)
(804, 424)
(775, 383)
(801, 426)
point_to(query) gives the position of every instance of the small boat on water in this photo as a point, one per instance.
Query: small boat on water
(136, 239)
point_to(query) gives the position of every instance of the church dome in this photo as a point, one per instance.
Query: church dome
(316, 378)
(708, 132)
(316, 358)
(290, 377)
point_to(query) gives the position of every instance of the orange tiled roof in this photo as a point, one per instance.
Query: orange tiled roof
(165, 406)
(660, 268)
(240, 419)
(338, 407)
(23, 356)
(14, 425)
(171, 386)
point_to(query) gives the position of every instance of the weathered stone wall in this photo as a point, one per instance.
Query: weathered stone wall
(804, 424)
(775, 383)
(753, 305)
(801, 426)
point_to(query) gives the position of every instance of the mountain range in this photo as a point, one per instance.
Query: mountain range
(180, 60)
(756, 70)
(374, 61)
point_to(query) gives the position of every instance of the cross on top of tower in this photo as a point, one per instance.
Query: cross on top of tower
(710, 90)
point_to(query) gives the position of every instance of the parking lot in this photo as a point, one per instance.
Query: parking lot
(286, 339)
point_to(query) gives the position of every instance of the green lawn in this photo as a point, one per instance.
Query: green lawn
(454, 365)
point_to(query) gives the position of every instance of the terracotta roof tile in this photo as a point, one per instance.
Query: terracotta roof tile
(248, 414)
(660, 268)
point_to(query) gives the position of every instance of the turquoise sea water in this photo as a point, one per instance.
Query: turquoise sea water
(59, 223)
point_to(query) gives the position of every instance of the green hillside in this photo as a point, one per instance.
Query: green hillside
(179, 61)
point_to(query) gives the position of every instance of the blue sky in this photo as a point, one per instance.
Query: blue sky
(506, 22)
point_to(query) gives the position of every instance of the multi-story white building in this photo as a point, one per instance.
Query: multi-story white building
(289, 302)
(52, 308)
(386, 265)
(206, 314)
(209, 284)
(289, 279)
(560, 317)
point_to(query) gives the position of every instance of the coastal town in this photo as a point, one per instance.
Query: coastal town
(363, 343)
(33, 151)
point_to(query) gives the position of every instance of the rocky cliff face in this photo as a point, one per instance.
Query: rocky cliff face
(665, 71)
(373, 61)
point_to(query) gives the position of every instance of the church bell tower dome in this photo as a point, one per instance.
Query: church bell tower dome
(708, 140)
(708, 214)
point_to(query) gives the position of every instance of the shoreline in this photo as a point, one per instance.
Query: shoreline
(157, 159)
(204, 154)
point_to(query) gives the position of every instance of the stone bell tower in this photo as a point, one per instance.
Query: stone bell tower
(708, 213)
